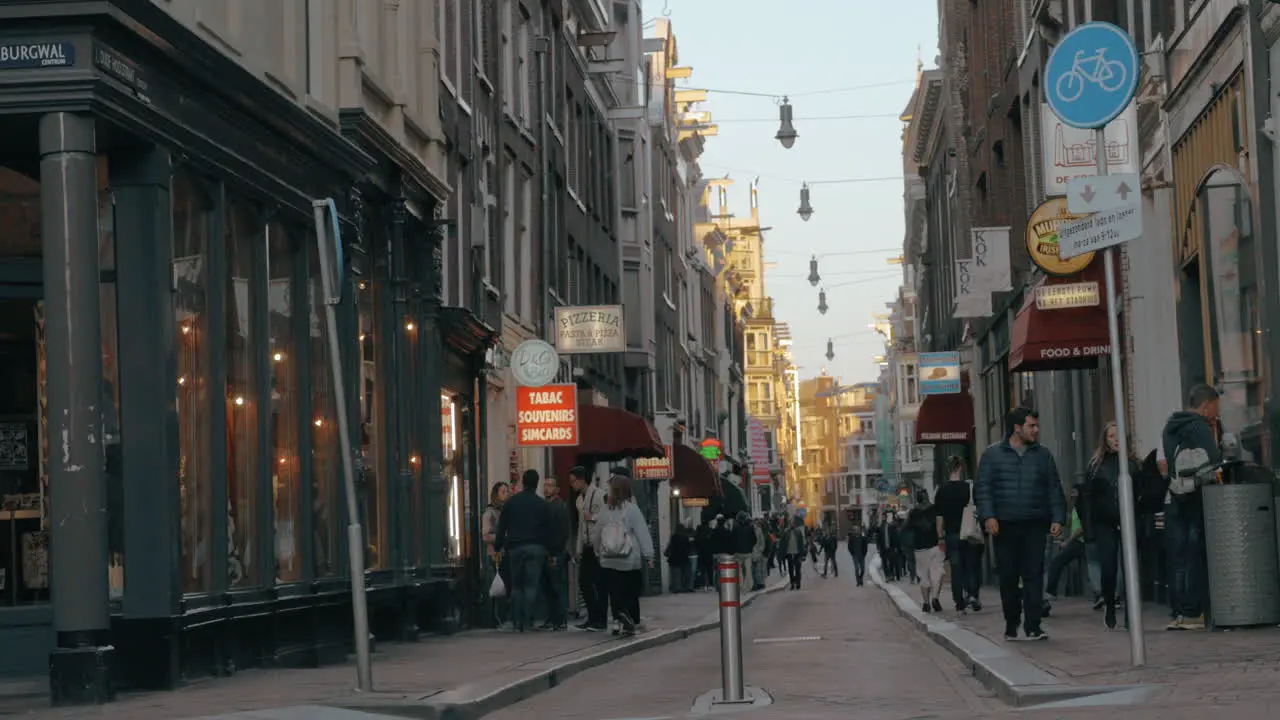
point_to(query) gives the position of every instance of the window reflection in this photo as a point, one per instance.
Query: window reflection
(285, 468)
(1237, 351)
(323, 425)
(452, 470)
(242, 232)
(192, 212)
(371, 426)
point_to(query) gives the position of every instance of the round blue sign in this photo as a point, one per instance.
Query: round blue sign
(1092, 75)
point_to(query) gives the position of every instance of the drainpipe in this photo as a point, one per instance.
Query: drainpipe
(541, 45)
(400, 354)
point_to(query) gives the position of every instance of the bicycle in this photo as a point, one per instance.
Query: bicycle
(1110, 75)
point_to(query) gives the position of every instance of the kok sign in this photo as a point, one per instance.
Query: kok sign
(547, 416)
(1099, 231)
(590, 329)
(1092, 75)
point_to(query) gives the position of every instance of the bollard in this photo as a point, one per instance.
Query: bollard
(732, 689)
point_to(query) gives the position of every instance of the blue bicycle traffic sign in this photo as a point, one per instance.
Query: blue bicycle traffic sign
(1092, 75)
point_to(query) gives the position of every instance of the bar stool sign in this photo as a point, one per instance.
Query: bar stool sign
(535, 363)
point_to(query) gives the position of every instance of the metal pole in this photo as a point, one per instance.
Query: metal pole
(355, 533)
(732, 690)
(1128, 522)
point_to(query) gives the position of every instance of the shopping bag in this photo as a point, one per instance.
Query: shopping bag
(970, 528)
(498, 589)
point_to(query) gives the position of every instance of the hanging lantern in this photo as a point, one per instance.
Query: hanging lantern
(806, 210)
(831, 352)
(822, 301)
(814, 278)
(786, 131)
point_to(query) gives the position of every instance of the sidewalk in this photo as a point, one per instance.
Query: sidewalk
(456, 666)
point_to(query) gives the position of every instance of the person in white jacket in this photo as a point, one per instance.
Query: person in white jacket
(621, 538)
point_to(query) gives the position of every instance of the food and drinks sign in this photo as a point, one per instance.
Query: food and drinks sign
(940, 373)
(547, 416)
(590, 329)
(654, 468)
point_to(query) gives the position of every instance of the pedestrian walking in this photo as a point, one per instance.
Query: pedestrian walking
(498, 567)
(794, 543)
(929, 550)
(1191, 442)
(621, 536)
(591, 499)
(1100, 500)
(830, 549)
(963, 554)
(857, 543)
(1019, 496)
(555, 585)
(744, 545)
(677, 554)
(524, 533)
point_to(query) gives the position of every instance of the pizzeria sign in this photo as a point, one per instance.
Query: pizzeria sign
(590, 329)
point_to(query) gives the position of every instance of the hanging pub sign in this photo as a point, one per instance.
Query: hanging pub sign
(654, 468)
(590, 329)
(711, 450)
(547, 416)
(1042, 240)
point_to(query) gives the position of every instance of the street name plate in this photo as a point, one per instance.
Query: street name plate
(1099, 231)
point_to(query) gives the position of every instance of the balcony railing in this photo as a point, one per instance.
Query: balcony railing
(761, 309)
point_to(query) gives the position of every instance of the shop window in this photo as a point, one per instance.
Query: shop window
(286, 480)
(453, 469)
(417, 435)
(242, 232)
(323, 427)
(192, 217)
(372, 427)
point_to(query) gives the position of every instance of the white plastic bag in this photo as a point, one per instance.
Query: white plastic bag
(970, 529)
(498, 589)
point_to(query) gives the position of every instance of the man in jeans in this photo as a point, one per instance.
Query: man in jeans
(524, 532)
(591, 497)
(1189, 432)
(1019, 496)
(950, 501)
(556, 580)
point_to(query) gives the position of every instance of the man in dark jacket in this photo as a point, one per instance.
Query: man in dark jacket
(1189, 432)
(858, 550)
(555, 584)
(1019, 496)
(524, 532)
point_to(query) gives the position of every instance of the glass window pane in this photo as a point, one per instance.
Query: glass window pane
(242, 230)
(192, 211)
(286, 480)
(372, 444)
(324, 427)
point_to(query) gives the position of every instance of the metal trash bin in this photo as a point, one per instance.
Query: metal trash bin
(1243, 560)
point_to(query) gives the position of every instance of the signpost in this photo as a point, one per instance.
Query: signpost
(1099, 231)
(1090, 79)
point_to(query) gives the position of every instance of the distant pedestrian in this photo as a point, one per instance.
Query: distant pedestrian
(621, 536)
(1100, 501)
(677, 554)
(928, 550)
(964, 554)
(1019, 496)
(744, 545)
(794, 543)
(524, 533)
(857, 543)
(830, 549)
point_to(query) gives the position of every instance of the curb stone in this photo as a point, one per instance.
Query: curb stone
(478, 699)
(1014, 679)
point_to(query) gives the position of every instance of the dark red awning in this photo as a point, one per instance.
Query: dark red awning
(945, 419)
(606, 434)
(1068, 339)
(692, 475)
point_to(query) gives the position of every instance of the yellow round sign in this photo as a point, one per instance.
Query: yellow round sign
(1042, 239)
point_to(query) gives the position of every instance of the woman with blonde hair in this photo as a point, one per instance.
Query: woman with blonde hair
(621, 538)
(1100, 507)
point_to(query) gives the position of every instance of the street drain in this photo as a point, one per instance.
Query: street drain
(798, 638)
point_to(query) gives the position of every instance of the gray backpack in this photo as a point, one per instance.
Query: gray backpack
(1190, 470)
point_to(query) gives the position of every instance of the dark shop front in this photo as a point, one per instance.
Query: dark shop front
(170, 470)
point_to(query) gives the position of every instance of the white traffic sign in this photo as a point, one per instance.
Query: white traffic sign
(1099, 193)
(1099, 231)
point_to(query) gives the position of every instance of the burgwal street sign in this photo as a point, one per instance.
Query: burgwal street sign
(22, 56)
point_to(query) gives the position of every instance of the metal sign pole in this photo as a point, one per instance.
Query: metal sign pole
(1128, 522)
(331, 278)
(732, 688)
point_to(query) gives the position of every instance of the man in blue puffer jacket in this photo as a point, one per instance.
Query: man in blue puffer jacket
(1019, 496)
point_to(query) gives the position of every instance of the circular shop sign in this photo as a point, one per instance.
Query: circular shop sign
(535, 363)
(1042, 240)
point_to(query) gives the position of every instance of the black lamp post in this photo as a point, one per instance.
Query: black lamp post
(786, 131)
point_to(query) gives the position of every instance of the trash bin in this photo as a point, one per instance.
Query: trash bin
(1241, 550)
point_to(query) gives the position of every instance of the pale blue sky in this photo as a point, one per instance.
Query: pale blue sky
(794, 47)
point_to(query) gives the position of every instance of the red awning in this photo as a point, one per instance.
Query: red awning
(945, 419)
(606, 434)
(1068, 339)
(692, 475)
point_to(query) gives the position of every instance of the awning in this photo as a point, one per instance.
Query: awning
(692, 475)
(945, 418)
(606, 434)
(1060, 339)
(735, 500)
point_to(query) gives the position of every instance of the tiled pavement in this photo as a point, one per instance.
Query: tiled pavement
(434, 665)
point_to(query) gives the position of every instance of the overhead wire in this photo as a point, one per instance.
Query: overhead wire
(818, 118)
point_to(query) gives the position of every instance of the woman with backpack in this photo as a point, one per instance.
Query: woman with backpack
(621, 537)
(1100, 501)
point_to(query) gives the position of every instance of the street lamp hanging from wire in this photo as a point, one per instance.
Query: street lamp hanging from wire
(814, 277)
(831, 353)
(786, 131)
(806, 210)
(822, 301)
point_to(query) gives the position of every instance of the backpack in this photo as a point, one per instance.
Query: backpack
(1189, 470)
(615, 539)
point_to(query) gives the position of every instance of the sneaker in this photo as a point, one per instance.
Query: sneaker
(1011, 632)
(1109, 617)
(584, 626)
(1098, 603)
(1193, 623)
(925, 607)
(1175, 624)
(937, 606)
(1037, 634)
(975, 606)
